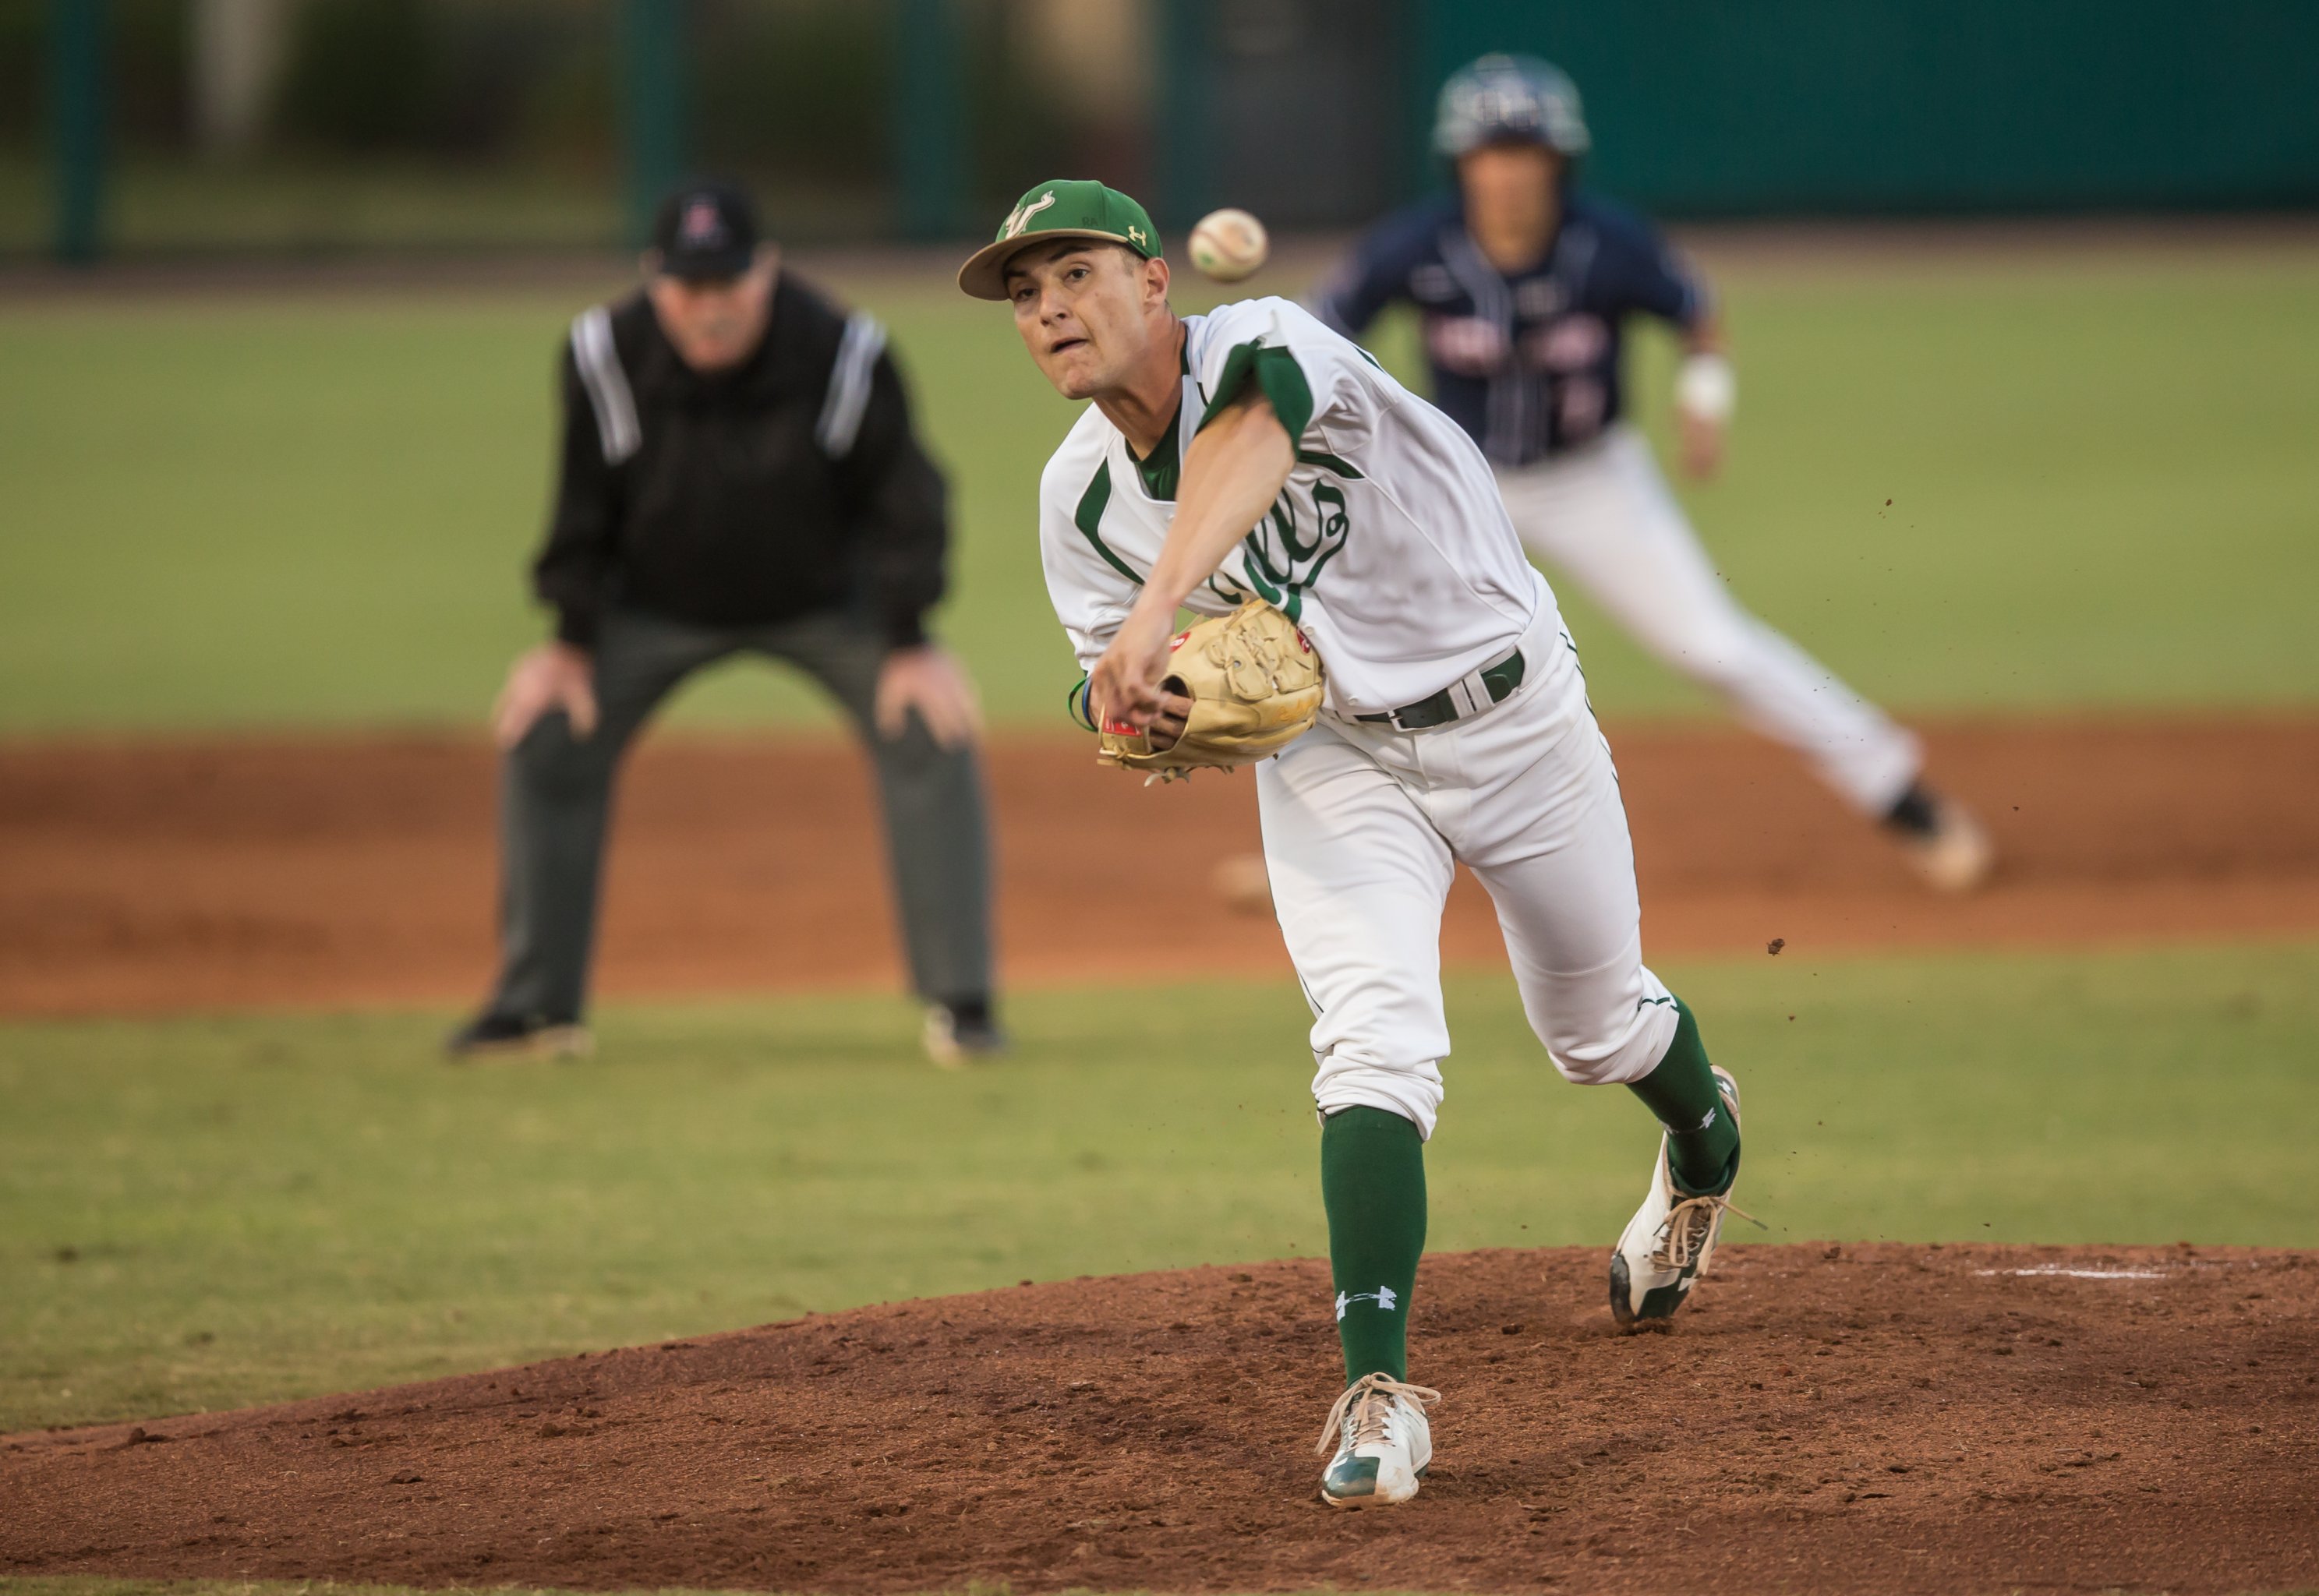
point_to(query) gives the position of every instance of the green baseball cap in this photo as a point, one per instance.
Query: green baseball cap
(1066, 208)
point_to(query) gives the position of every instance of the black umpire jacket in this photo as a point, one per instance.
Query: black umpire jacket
(790, 485)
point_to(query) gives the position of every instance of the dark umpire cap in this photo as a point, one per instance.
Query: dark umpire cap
(705, 232)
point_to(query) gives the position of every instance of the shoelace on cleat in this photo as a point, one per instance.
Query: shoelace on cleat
(1688, 1225)
(1363, 1409)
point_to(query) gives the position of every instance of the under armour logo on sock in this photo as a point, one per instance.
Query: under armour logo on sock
(1383, 1296)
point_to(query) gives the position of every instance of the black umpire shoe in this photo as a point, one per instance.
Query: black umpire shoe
(959, 1034)
(510, 1036)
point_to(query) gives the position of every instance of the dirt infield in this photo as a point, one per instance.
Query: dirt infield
(171, 876)
(1865, 1419)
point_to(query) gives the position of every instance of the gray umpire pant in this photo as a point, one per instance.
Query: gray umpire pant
(556, 795)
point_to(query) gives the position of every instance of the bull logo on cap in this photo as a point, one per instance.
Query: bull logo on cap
(1020, 217)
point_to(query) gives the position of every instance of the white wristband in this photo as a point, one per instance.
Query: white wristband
(1706, 388)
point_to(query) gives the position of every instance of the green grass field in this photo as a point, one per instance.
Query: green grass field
(209, 1212)
(277, 509)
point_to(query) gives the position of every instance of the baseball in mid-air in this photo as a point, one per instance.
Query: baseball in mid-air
(1228, 245)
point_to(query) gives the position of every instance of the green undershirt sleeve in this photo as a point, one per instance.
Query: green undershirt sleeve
(1275, 372)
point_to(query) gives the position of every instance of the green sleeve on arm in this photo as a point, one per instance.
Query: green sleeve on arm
(1276, 373)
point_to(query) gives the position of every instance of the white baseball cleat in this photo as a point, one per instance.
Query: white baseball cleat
(1671, 1240)
(1384, 1444)
(1953, 854)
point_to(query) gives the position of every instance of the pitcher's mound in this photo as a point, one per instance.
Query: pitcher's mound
(1855, 1419)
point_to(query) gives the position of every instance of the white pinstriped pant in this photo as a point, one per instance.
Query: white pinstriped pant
(1604, 521)
(1364, 827)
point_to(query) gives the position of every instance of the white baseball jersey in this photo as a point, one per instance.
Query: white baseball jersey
(1389, 546)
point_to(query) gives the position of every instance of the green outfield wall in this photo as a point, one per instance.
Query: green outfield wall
(1708, 107)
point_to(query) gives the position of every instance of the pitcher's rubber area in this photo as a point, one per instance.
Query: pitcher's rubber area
(1865, 1419)
(176, 876)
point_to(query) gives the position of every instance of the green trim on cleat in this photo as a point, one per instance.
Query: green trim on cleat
(1350, 1478)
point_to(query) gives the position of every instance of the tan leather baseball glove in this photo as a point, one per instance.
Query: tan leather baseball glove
(1255, 687)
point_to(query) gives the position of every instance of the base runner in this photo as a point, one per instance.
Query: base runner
(1525, 283)
(1252, 464)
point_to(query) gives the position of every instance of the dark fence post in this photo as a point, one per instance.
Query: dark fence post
(653, 77)
(931, 155)
(1181, 143)
(77, 116)
(1421, 39)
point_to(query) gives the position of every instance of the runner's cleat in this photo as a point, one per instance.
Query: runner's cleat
(1384, 1444)
(1943, 844)
(1671, 1240)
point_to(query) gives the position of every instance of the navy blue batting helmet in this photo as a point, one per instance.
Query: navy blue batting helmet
(1503, 97)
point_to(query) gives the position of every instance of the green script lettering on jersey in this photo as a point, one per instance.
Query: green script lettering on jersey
(1387, 546)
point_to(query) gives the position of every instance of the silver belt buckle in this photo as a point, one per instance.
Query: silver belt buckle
(1469, 695)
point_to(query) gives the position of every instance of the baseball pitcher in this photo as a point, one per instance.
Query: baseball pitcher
(1525, 284)
(1376, 646)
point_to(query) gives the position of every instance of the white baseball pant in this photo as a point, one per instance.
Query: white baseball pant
(1602, 518)
(1364, 826)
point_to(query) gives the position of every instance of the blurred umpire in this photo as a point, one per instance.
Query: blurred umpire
(738, 472)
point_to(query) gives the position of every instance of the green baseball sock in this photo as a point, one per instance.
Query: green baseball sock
(1702, 1142)
(1373, 1185)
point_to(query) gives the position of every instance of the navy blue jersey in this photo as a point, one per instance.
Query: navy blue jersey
(1529, 365)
